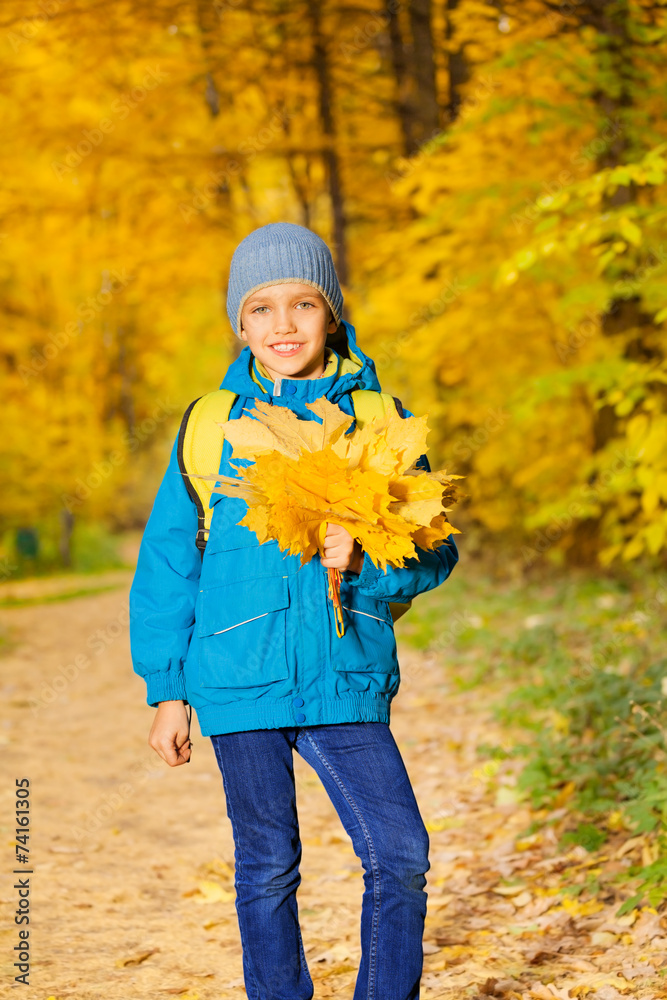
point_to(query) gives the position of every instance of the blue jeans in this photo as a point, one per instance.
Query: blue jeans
(363, 772)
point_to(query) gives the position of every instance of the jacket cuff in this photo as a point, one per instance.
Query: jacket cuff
(369, 575)
(165, 686)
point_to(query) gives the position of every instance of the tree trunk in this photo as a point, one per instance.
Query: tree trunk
(610, 22)
(458, 68)
(427, 106)
(321, 67)
(65, 540)
(613, 100)
(209, 24)
(403, 102)
(299, 191)
(126, 371)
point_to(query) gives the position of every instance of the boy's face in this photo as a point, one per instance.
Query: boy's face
(293, 316)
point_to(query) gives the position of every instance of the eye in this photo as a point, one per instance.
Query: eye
(304, 303)
(257, 308)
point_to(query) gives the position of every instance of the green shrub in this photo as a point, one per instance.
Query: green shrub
(577, 664)
(93, 548)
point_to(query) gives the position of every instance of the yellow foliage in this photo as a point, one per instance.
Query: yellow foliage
(508, 277)
(576, 908)
(307, 473)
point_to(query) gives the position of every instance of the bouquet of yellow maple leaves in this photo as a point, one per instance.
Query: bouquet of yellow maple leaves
(307, 473)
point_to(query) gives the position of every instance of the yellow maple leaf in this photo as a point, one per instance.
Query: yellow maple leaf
(592, 983)
(307, 473)
(209, 891)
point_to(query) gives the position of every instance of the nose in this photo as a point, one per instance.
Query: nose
(284, 320)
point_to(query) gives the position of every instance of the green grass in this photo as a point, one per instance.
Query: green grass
(68, 595)
(94, 549)
(576, 665)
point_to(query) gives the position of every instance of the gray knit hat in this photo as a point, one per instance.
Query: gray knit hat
(277, 253)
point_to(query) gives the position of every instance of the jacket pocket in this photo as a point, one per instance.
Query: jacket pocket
(242, 634)
(233, 551)
(369, 642)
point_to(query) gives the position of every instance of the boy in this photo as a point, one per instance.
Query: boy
(247, 637)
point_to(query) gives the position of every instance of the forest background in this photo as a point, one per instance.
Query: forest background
(491, 179)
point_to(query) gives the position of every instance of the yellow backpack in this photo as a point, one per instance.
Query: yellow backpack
(200, 448)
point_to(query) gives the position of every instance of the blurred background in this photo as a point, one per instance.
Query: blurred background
(490, 178)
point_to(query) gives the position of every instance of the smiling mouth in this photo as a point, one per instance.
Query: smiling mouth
(285, 350)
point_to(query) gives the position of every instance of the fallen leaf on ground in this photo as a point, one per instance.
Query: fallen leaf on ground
(579, 965)
(603, 939)
(581, 909)
(647, 926)
(635, 971)
(509, 890)
(541, 992)
(597, 980)
(336, 953)
(136, 959)
(210, 892)
(628, 846)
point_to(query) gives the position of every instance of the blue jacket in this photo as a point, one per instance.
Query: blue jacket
(247, 636)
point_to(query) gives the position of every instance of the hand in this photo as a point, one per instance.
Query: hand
(341, 550)
(169, 733)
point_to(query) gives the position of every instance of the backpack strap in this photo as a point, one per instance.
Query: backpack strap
(199, 449)
(369, 404)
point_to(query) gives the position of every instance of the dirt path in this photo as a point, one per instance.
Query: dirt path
(132, 892)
